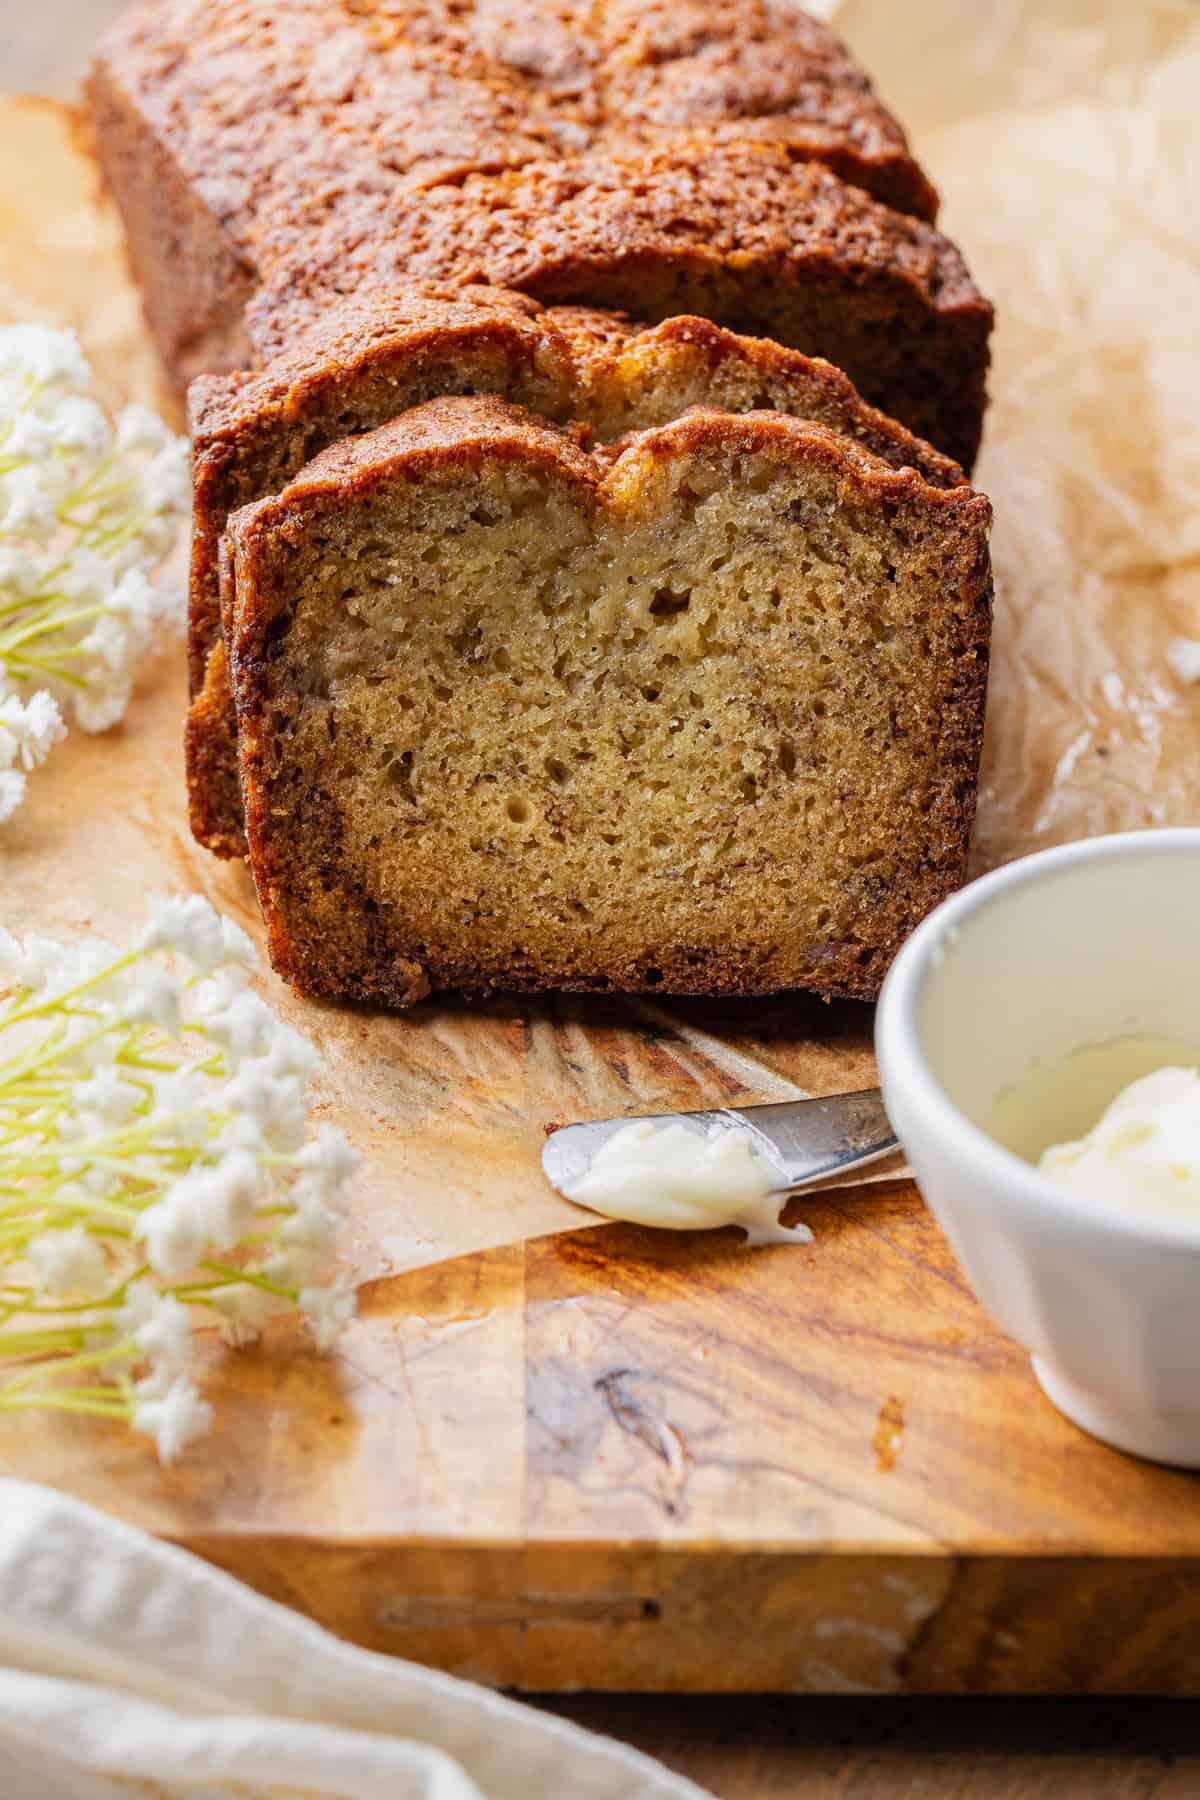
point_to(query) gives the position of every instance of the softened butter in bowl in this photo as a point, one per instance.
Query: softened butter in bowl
(1093, 1124)
(1011, 1020)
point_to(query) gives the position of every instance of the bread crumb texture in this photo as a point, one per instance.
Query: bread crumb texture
(704, 716)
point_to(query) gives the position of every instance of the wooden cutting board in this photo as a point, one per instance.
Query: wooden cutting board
(588, 1456)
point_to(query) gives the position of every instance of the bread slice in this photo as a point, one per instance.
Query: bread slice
(371, 358)
(701, 718)
(734, 232)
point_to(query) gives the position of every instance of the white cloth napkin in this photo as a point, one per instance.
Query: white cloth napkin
(128, 1668)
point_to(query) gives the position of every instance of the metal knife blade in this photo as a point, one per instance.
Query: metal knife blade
(800, 1140)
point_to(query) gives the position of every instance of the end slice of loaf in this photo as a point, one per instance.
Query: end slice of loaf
(371, 358)
(704, 718)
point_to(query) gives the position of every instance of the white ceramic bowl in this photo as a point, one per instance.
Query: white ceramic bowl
(1076, 946)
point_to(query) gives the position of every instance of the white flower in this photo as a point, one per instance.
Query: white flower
(12, 792)
(99, 710)
(20, 572)
(329, 1161)
(166, 1335)
(156, 1383)
(141, 1298)
(194, 928)
(166, 482)
(274, 1103)
(27, 501)
(173, 1232)
(209, 1167)
(79, 424)
(69, 1262)
(30, 729)
(30, 960)
(233, 1191)
(179, 1114)
(68, 966)
(144, 604)
(175, 1419)
(245, 1026)
(297, 1266)
(85, 513)
(99, 1183)
(329, 1310)
(1183, 654)
(311, 1225)
(43, 356)
(87, 580)
(291, 1054)
(156, 1000)
(29, 436)
(244, 1309)
(107, 644)
(106, 1095)
(140, 429)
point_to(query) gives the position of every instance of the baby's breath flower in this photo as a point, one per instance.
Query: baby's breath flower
(328, 1310)
(155, 1170)
(166, 1335)
(173, 1229)
(328, 1161)
(175, 1419)
(29, 729)
(85, 511)
(191, 926)
(12, 792)
(158, 1000)
(140, 429)
(37, 355)
(244, 1310)
(311, 1225)
(68, 1262)
(106, 1095)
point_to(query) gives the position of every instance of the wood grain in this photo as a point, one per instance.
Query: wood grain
(603, 1459)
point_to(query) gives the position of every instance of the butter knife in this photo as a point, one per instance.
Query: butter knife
(801, 1141)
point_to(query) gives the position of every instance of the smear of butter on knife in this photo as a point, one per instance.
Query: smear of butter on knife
(683, 1180)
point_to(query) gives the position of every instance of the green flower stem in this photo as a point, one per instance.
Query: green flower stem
(37, 1343)
(41, 627)
(48, 1006)
(231, 1276)
(102, 1408)
(91, 1359)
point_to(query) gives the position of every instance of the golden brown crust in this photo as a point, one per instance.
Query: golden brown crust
(373, 356)
(281, 114)
(736, 232)
(194, 279)
(298, 856)
(655, 158)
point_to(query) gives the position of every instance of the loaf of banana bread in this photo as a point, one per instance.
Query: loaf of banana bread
(269, 155)
(369, 359)
(702, 716)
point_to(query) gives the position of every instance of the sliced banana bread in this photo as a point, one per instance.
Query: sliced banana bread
(368, 360)
(232, 129)
(703, 717)
(736, 232)
(269, 155)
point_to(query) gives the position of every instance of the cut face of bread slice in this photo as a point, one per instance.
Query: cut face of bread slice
(704, 718)
(372, 358)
